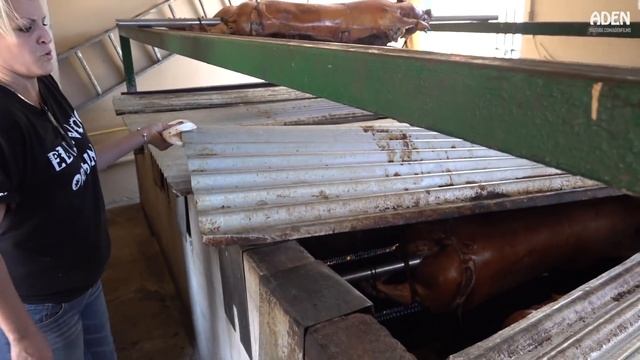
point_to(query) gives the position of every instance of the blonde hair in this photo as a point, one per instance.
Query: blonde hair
(8, 17)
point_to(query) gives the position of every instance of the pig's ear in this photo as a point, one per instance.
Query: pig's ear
(422, 26)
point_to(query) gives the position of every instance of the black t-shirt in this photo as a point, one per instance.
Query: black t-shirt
(54, 236)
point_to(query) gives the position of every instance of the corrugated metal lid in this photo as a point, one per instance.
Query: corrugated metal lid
(255, 184)
(173, 163)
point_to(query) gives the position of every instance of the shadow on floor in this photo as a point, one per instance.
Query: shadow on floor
(147, 318)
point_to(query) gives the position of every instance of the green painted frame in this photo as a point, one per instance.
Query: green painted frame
(543, 28)
(583, 119)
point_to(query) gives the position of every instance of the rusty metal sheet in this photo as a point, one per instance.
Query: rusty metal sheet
(204, 98)
(256, 184)
(599, 320)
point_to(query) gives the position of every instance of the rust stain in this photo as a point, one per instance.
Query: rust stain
(322, 195)
(623, 294)
(382, 145)
(408, 144)
(368, 129)
(406, 155)
(209, 225)
(401, 136)
(488, 195)
(391, 156)
(373, 130)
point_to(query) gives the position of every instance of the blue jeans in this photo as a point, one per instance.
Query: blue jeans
(77, 330)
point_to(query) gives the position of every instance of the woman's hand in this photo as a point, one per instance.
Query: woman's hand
(154, 135)
(110, 152)
(32, 346)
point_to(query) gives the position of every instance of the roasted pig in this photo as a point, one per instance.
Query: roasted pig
(370, 22)
(468, 262)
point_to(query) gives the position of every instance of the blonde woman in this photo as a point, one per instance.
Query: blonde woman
(53, 235)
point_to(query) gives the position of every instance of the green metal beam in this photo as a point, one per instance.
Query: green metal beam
(543, 28)
(583, 119)
(127, 63)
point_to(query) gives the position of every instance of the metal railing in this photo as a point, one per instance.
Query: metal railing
(109, 39)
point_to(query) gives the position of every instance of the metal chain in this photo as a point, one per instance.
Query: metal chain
(398, 312)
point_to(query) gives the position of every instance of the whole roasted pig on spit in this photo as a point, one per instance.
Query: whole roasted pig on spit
(468, 262)
(370, 22)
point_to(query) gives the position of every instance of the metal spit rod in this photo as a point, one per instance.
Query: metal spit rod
(360, 255)
(167, 23)
(456, 18)
(380, 270)
(181, 23)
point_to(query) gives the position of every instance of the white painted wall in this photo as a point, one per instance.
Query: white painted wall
(607, 51)
(76, 21)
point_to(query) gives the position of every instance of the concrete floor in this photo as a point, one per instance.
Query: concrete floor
(147, 318)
